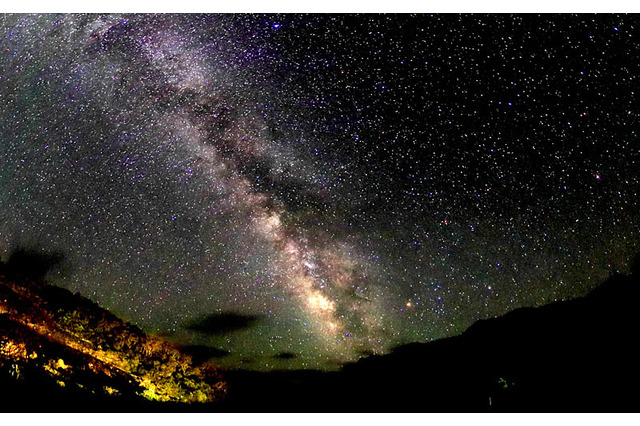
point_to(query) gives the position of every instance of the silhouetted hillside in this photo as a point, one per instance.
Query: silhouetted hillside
(570, 356)
(62, 352)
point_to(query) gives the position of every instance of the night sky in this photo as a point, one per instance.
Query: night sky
(299, 191)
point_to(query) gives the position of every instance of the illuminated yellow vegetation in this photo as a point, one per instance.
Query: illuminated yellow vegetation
(61, 365)
(13, 350)
(83, 338)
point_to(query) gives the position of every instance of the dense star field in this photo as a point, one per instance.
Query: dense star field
(299, 191)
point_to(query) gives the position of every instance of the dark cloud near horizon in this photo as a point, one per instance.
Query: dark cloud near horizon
(285, 355)
(226, 322)
(30, 263)
(202, 353)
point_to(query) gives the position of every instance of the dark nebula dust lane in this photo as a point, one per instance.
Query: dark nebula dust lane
(299, 191)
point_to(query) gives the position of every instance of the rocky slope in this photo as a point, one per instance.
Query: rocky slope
(55, 345)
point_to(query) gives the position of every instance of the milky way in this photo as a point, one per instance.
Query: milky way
(330, 185)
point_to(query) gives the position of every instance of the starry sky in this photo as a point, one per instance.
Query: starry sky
(299, 191)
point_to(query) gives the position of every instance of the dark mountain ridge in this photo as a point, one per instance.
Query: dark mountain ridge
(62, 352)
(579, 355)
